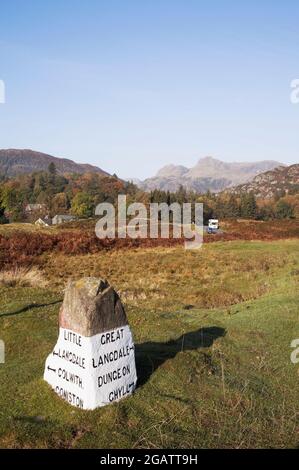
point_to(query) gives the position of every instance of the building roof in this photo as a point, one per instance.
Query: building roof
(44, 221)
(59, 218)
(64, 216)
(34, 207)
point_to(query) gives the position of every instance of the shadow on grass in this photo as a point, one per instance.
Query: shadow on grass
(31, 419)
(151, 355)
(29, 307)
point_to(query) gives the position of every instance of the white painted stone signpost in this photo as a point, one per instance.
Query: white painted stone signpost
(93, 362)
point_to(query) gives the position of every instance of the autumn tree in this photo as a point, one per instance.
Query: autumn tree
(248, 208)
(83, 205)
(60, 203)
(52, 168)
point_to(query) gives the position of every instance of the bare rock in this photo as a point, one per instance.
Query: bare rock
(91, 306)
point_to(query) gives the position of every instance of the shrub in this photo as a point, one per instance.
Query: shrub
(284, 210)
(22, 277)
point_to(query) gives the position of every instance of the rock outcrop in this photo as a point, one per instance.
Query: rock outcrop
(90, 307)
(93, 361)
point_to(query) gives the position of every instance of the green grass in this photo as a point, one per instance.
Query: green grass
(209, 377)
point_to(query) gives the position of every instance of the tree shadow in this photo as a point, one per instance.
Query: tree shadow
(151, 355)
(29, 307)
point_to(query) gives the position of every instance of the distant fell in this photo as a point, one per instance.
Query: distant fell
(208, 174)
(268, 184)
(15, 162)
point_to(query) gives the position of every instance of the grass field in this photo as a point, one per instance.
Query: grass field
(212, 329)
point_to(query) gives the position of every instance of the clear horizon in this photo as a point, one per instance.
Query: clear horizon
(133, 87)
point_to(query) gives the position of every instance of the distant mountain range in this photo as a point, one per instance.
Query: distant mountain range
(208, 174)
(266, 185)
(14, 162)
(264, 178)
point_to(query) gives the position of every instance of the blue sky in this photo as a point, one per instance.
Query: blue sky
(133, 85)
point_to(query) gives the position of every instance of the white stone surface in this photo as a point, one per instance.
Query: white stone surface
(89, 372)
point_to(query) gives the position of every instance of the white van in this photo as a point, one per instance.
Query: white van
(213, 225)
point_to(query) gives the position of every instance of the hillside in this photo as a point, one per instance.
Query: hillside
(15, 162)
(208, 174)
(57, 194)
(268, 184)
(213, 357)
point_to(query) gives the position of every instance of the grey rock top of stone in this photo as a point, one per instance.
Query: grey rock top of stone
(91, 306)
